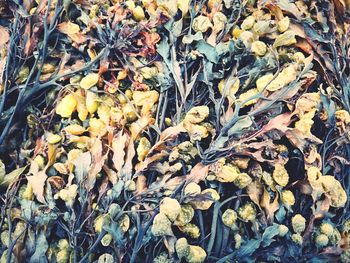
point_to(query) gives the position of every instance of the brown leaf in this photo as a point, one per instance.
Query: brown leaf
(322, 208)
(112, 175)
(172, 132)
(169, 242)
(4, 37)
(270, 208)
(103, 188)
(255, 191)
(130, 153)
(141, 184)
(73, 31)
(172, 183)
(300, 140)
(139, 168)
(56, 182)
(137, 127)
(198, 173)
(305, 187)
(280, 122)
(276, 8)
(98, 160)
(118, 145)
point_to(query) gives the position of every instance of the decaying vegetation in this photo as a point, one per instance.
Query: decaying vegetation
(174, 131)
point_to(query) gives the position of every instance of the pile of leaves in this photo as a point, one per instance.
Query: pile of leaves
(174, 131)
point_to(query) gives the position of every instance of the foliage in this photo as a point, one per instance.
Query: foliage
(169, 131)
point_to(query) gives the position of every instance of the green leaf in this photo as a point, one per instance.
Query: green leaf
(2, 170)
(281, 214)
(11, 177)
(163, 49)
(118, 235)
(248, 248)
(269, 233)
(27, 208)
(242, 123)
(41, 247)
(222, 48)
(177, 27)
(208, 51)
(188, 39)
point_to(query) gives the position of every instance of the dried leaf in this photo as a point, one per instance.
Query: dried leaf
(255, 191)
(4, 37)
(82, 166)
(270, 208)
(198, 173)
(97, 162)
(37, 181)
(8, 179)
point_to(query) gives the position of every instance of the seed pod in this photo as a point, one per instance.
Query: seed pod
(219, 20)
(91, 102)
(192, 189)
(196, 254)
(138, 13)
(247, 38)
(190, 230)
(170, 207)
(201, 24)
(106, 258)
(259, 48)
(242, 180)
(326, 228)
(185, 216)
(264, 27)
(248, 23)
(280, 175)
(298, 239)
(66, 106)
(283, 230)
(298, 223)
(143, 148)
(283, 24)
(89, 81)
(229, 218)
(247, 212)
(321, 240)
(106, 240)
(54, 138)
(182, 247)
(75, 129)
(288, 198)
(206, 203)
(161, 226)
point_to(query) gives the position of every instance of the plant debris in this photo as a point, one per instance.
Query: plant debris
(174, 131)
